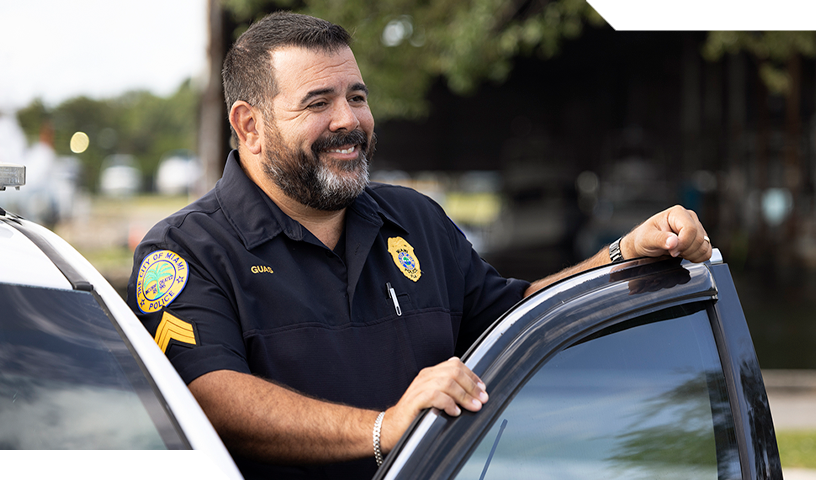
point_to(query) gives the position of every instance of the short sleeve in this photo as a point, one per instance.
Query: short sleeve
(196, 327)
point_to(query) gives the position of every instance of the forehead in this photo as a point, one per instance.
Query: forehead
(299, 70)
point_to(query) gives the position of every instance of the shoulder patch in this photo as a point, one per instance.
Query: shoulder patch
(162, 276)
(172, 328)
(404, 257)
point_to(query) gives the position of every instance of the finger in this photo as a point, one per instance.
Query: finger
(685, 224)
(464, 386)
(671, 243)
(475, 384)
(653, 241)
(701, 249)
(692, 244)
(695, 244)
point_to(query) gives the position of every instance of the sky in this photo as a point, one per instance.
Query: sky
(59, 49)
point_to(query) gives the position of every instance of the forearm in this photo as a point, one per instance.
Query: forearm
(674, 231)
(597, 260)
(267, 422)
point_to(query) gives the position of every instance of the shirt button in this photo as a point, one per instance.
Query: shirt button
(329, 253)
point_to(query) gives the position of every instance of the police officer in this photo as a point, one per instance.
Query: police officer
(313, 315)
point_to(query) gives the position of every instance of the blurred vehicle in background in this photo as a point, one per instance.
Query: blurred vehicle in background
(540, 206)
(631, 186)
(179, 172)
(627, 194)
(120, 176)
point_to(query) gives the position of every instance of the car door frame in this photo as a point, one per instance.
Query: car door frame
(437, 445)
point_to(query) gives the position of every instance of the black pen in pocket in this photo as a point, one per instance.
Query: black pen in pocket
(393, 296)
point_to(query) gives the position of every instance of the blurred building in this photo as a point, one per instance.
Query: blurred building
(646, 123)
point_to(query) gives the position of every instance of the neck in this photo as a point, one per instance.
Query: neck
(326, 226)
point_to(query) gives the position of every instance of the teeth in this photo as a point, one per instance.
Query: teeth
(348, 150)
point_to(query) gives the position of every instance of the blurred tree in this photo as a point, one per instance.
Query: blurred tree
(778, 56)
(403, 46)
(773, 51)
(137, 123)
(31, 118)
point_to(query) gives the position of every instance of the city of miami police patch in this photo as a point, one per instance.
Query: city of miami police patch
(403, 254)
(162, 276)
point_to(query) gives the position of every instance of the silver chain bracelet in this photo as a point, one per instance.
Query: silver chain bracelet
(377, 429)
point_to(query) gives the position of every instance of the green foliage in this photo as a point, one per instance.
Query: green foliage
(797, 449)
(464, 42)
(244, 12)
(137, 123)
(403, 46)
(686, 440)
(32, 118)
(771, 49)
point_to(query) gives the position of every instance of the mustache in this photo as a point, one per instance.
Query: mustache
(335, 140)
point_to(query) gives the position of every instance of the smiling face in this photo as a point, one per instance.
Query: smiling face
(320, 131)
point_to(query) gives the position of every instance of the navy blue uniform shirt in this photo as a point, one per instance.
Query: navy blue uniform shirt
(231, 282)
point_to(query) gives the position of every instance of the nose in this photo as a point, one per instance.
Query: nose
(344, 117)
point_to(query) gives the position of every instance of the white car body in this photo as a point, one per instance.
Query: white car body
(28, 259)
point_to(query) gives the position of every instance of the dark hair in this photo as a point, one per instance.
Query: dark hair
(247, 72)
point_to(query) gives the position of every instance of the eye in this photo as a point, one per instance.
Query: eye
(317, 105)
(358, 99)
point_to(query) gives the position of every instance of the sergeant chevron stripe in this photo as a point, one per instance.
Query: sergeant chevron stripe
(174, 328)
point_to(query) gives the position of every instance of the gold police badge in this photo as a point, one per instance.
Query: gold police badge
(403, 254)
(162, 276)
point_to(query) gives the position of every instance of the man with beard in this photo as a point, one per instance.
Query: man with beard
(309, 312)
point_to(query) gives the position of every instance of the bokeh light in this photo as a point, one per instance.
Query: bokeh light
(80, 142)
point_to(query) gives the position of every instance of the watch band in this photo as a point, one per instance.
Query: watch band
(615, 251)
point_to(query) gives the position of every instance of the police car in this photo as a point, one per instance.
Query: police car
(78, 371)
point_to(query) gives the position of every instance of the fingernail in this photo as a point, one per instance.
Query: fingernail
(458, 411)
(483, 397)
(481, 385)
(476, 403)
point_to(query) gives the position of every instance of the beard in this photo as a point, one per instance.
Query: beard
(328, 185)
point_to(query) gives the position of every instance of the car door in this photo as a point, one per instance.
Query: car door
(643, 369)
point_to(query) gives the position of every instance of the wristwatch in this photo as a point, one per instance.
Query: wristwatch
(615, 251)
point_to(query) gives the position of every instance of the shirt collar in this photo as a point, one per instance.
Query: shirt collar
(257, 219)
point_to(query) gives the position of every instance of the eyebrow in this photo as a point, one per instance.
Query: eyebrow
(323, 91)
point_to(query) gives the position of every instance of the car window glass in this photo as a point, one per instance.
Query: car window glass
(642, 399)
(67, 379)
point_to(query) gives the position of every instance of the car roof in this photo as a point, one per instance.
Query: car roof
(24, 263)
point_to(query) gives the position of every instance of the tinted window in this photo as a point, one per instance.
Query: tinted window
(68, 381)
(643, 399)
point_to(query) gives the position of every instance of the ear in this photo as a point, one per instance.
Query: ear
(247, 121)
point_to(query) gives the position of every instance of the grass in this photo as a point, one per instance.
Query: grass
(797, 448)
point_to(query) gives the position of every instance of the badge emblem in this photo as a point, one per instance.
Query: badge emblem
(162, 276)
(405, 259)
